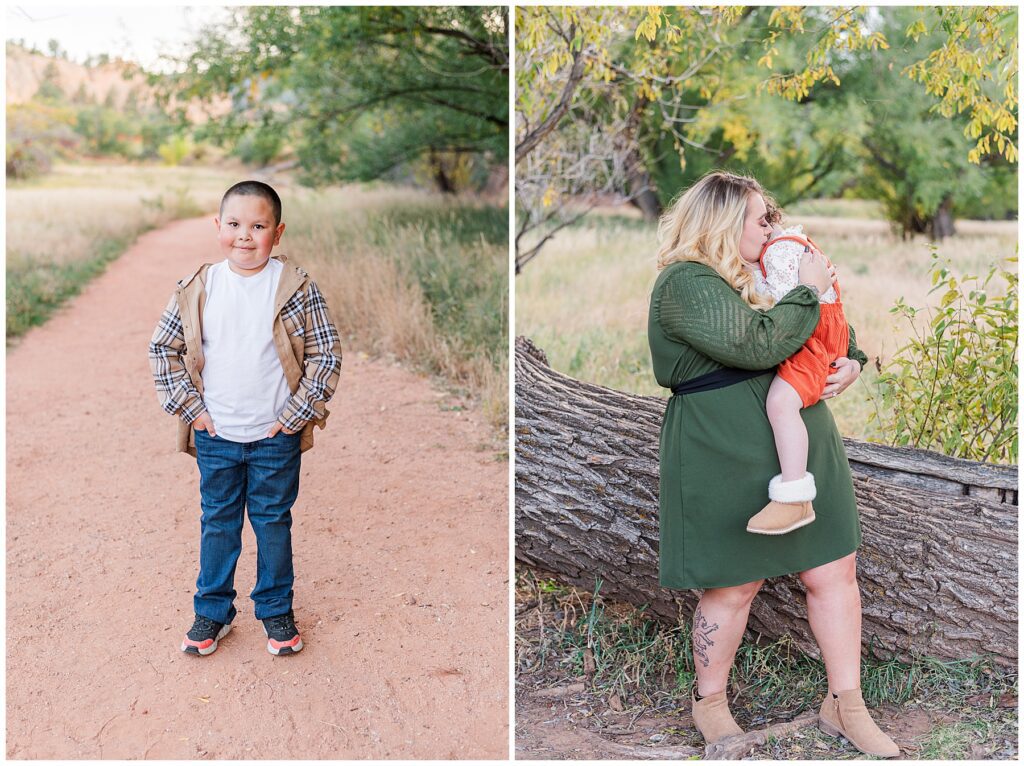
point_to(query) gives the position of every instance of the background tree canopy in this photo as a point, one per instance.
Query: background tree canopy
(914, 107)
(357, 91)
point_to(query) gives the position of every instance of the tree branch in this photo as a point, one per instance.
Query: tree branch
(531, 140)
(496, 55)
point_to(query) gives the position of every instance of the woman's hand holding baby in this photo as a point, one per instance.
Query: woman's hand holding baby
(815, 271)
(846, 372)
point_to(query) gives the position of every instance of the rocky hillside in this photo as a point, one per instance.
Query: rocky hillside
(25, 73)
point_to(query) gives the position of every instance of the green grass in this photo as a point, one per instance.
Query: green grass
(463, 224)
(38, 285)
(451, 256)
(837, 208)
(638, 656)
(954, 741)
(37, 288)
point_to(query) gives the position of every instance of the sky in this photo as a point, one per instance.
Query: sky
(139, 33)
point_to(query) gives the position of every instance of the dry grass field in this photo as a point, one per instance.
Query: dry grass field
(59, 217)
(584, 299)
(63, 228)
(416, 276)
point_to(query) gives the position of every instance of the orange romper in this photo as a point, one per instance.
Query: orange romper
(807, 369)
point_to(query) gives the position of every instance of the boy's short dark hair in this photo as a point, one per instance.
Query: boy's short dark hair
(255, 189)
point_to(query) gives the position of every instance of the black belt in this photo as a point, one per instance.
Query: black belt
(726, 376)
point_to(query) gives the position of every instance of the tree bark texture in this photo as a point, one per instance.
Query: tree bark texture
(937, 564)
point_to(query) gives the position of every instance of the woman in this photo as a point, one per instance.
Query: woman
(715, 340)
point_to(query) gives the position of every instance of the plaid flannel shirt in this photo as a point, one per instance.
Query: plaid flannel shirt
(304, 317)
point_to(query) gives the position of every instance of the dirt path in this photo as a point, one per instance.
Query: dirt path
(399, 538)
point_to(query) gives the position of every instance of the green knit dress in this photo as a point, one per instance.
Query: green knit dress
(717, 447)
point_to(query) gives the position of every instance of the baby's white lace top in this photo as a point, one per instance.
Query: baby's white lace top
(782, 262)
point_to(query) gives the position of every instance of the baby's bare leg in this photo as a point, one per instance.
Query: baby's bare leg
(784, 407)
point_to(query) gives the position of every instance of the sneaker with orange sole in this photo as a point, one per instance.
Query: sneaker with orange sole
(282, 635)
(203, 636)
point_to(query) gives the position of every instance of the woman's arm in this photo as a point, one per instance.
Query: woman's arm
(853, 352)
(696, 306)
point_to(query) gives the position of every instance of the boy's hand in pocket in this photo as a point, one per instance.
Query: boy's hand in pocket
(278, 427)
(204, 423)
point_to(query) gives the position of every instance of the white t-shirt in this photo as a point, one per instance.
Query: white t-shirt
(244, 386)
(782, 262)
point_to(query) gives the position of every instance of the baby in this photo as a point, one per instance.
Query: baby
(798, 383)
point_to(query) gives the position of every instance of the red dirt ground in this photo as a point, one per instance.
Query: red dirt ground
(399, 538)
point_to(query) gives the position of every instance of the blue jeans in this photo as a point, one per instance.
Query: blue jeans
(263, 477)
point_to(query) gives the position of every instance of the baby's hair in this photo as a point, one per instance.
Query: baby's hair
(774, 214)
(255, 189)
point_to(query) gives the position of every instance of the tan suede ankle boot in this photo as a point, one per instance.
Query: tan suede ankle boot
(845, 713)
(790, 507)
(712, 718)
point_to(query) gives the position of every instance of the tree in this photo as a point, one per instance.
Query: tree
(81, 95)
(49, 88)
(797, 149)
(975, 68)
(586, 79)
(914, 153)
(37, 132)
(896, 148)
(609, 97)
(102, 130)
(358, 90)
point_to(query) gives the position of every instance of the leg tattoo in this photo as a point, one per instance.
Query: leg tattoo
(702, 636)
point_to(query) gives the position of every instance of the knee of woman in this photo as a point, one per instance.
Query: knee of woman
(738, 596)
(841, 573)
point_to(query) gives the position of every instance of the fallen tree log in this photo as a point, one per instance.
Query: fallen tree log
(937, 564)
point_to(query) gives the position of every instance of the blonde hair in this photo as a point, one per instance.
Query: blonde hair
(705, 225)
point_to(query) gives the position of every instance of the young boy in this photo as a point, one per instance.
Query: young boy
(247, 356)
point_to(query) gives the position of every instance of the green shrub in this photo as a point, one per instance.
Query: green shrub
(104, 130)
(259, 147)
(450, 254)
(175, 149)
(36, 135)
(954, 387)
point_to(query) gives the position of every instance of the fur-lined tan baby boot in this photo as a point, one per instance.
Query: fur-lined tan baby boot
(790, 507)
(845, 713)
(712, 718)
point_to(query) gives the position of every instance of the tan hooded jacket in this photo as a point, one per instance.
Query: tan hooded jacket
(306, 340)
